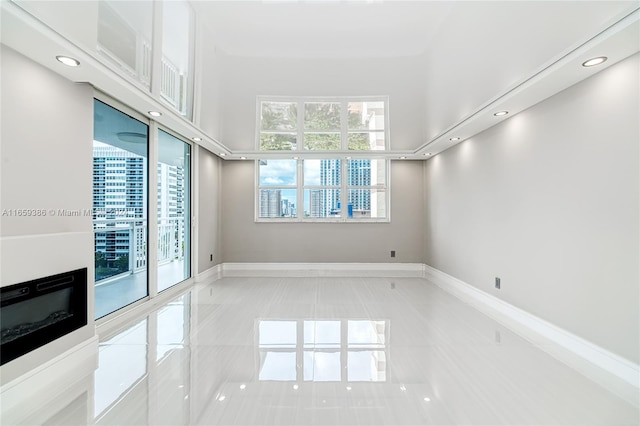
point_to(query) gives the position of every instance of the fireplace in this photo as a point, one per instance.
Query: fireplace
(37, 312)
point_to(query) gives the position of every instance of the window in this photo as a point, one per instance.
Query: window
(173, 207)
(123, 205)
(319, 186)
(120, 146)
(335, 129)
(347, 124)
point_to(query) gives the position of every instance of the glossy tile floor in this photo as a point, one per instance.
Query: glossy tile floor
(330, 351)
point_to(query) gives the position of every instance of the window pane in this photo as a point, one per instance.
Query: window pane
(322, 203)
(173, 206)
(366, 172)
(366, 366)
(120, 209)
(277, 366)
(366, 115)
(124, 36)
(321, 334)
(321, 141)
(176, 78)
(367, 203)
(279, 116)
(323, 116)
(321, 366)
(322, 172)
(277, 203)
(278, 141)
(277, 334)
(366, 141)
(366, 333)
(278, 172)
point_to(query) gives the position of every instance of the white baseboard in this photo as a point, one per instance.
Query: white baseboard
(212, 273)
(325, 269)
(501, 310)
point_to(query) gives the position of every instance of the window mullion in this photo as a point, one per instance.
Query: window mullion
(300, 124)
(344, 121)
(344, 196)
(300, 191)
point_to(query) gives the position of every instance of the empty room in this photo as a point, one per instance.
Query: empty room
(319, 212)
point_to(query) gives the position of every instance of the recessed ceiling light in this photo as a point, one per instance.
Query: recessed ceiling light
(403, 158)
(243, 158)
(243, 386)
(427, 399)
(347, 158)
(427, 154)
(155, 113)
(594, 61)
(222, 154)
(455, 139)
(295, 387)
(196, 139)
(501, 113)
(295, 158)
(68, 61)
(222, 398)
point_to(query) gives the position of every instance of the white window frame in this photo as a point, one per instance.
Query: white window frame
(344, 193)
(299, 154)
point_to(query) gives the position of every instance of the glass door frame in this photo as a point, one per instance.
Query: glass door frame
(157, 127)
(152, 217)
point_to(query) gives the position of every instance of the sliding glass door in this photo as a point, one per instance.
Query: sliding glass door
(173, 206)
(120, 188)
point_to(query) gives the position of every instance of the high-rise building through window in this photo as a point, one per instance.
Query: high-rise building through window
(118, 193)
(270, 202)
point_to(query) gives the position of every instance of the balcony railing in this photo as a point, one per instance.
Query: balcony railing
(121, 245)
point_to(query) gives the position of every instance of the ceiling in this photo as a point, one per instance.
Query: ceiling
(476, 56)
(332, 28)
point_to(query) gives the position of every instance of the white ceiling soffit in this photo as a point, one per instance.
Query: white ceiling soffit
(617, 42)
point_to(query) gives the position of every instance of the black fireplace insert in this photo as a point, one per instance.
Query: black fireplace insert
(37, 312)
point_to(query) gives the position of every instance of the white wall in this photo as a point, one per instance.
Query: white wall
(245, 78)
(549, 202)
(46, 150)
(247, 241)
(207, 108)
(209, 184)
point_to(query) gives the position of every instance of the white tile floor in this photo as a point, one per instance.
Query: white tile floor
(328, 351)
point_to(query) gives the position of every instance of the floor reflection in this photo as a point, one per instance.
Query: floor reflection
(143, 371)
(322, 350)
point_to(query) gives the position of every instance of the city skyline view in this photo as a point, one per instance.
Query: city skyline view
(322, 181)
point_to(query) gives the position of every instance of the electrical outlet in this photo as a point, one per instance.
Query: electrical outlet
(498, 283)
(393, 253)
